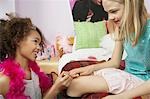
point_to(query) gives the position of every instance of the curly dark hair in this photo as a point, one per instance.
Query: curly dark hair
(13, 31)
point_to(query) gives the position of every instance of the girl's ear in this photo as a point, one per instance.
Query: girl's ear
(17, 42)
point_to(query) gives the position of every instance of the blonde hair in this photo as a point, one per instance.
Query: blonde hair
(133, 20)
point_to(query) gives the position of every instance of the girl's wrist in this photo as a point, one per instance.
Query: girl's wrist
(94, 67)
(52, 93)
(128, 96)
(55, 89)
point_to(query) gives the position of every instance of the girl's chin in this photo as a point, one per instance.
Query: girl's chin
(117, 24)
(33, 59)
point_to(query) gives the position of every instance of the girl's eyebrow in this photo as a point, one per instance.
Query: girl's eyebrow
(37, 38)
(112, 9)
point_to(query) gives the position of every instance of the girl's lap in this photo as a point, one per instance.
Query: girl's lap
(118, 80)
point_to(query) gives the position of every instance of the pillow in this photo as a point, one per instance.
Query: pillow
(108, 43)
(88, 34)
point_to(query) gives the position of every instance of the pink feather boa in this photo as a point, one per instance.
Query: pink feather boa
(16, 74)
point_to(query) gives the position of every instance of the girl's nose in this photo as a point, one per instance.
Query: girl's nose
(111, 17)
(39, 47)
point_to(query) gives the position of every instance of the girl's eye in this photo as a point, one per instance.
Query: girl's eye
(113, 11)
(35, 41)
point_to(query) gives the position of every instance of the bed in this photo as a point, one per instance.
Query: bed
(90, 47)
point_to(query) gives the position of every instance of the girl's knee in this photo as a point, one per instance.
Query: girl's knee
(74, 90)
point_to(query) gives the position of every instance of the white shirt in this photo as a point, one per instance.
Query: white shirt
(1, 97)
(32, 87)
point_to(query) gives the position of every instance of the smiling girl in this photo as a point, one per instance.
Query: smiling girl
(20, 76)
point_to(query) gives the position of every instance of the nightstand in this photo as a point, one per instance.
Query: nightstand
(49, 66)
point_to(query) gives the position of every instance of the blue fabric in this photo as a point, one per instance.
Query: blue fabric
(138, 59)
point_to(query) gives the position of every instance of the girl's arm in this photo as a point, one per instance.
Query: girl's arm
(52, 93)
(62, 82)
(115, 59)
(4, 84)
(113, 63)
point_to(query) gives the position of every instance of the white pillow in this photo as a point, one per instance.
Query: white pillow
(1, 97)
(108, 43)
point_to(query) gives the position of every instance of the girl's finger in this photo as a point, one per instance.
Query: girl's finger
(64, 73)
(68, 82)
(64, 77)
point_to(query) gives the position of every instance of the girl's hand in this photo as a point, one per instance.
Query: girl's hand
(63, 80)
(81, 71)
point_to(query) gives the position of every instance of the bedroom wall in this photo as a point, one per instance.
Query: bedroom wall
(53, 17)
(6, 6)
(147, 4)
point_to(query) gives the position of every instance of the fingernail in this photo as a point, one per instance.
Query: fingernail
(64, 75)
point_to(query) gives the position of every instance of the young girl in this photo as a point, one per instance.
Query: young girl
(132, 33)
(20, 76)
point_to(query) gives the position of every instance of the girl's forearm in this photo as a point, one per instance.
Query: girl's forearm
(52, 93)
(108, 64)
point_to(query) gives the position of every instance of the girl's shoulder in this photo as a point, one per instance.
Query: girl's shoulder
(148, 23)
(4, 83)
(148, 17)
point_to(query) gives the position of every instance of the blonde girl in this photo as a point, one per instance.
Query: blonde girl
(132, 33)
